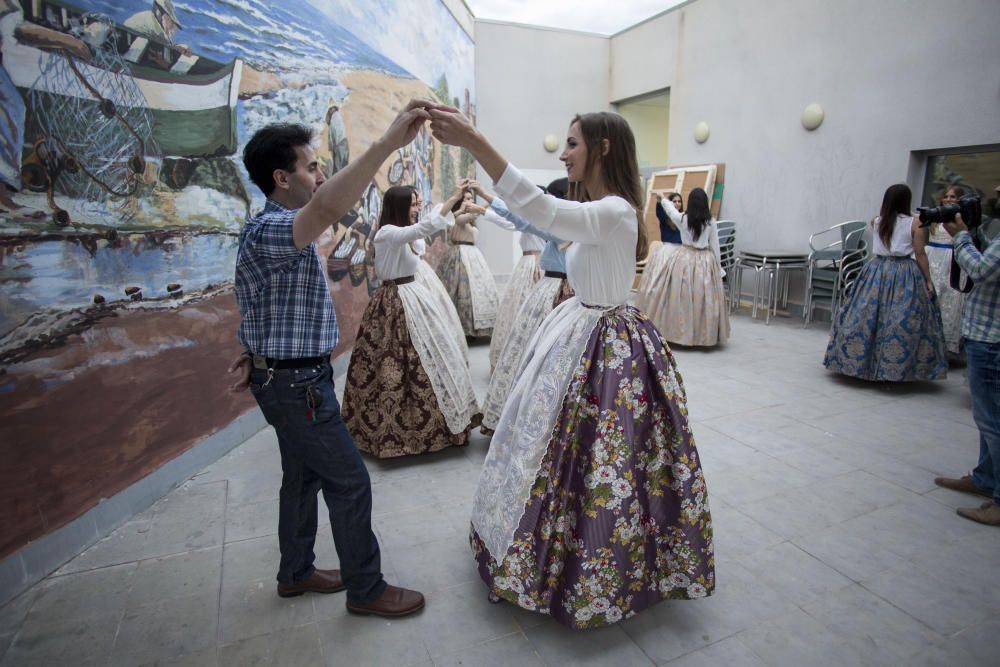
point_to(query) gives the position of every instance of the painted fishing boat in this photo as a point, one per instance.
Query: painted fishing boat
(192, 98)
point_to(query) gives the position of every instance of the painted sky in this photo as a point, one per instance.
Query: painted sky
(597, 16)
(420, 35)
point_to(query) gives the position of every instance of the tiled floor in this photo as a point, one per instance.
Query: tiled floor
(834, 546)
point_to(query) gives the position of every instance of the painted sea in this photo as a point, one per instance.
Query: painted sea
(187, 234)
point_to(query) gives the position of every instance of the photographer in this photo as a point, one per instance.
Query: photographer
(981, 330)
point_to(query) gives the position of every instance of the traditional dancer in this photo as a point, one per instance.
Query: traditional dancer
(889, 326)
(682, 293)
(426, 276)
(550, 291)
(526, 273)
(591, 505)
(408, 385)
(950, 301)
(466, 276)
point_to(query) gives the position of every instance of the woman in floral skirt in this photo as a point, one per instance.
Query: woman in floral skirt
(591, 504)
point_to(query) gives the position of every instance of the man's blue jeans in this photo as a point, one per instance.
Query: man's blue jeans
(318, 453)
(984, 383)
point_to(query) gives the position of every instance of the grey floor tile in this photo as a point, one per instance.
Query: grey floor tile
(83, 594)
(981, 641)
(207, 657)
(730, 652)
(461, 616)
(12, 616)
(253, 608)
(735, 534)
(83, 641)
(675, 627)
(816, 482)
(250, 561)
(942, 601)
(885, 634)
(511, 651)
(559, 645)
(370, 640)
(746, 484)
(291, 646)
(798, 639)
(251, 520)
(190, 573)
(433, 566)
(190, 517)
(169, 629)
(849, 548)
(794, 573)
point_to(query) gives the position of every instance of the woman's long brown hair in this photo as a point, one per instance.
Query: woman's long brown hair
(619, 167)
(895, 202)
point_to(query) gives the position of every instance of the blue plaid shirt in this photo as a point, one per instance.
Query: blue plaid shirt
(286, 310)
(981, 319)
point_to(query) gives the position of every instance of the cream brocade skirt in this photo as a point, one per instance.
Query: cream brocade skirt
(525, 273)
(681, 292)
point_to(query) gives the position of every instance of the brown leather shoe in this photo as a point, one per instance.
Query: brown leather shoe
(393, 602)
(963, 484)
(988, 513)
(320, 581)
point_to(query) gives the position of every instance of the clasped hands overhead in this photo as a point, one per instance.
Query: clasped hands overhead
(448, 124)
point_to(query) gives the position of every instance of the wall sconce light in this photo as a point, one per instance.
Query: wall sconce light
(701, 132)
(551, 143)
(812, 116)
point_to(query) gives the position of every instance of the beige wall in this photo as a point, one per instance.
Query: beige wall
(749, 67)
(529, 83)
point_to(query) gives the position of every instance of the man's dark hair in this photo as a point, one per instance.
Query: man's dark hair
(273, 147)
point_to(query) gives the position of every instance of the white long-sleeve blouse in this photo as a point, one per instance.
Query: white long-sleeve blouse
(709, 237)
(394, 258)
(600, 263)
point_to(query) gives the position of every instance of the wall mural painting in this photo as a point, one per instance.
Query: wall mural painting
(122, 194)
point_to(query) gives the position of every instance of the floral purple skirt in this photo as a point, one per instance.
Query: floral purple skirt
(618, 518)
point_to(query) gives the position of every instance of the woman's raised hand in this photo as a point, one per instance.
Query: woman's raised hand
(450, 126)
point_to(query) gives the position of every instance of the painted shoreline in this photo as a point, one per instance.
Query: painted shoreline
(97, 398)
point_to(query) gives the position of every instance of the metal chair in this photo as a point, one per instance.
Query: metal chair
(826, 281)
(727, 254)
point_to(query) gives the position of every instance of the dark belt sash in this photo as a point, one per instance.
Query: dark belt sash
(555, 274)
(528, 253)
(462, 243)
(265, 363)
(400, 281)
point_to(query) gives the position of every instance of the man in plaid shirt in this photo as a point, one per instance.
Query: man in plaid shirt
(981, 331)
(289, 327)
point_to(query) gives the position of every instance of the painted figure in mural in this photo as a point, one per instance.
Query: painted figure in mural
(160, 22)
(591, 505)
(11, 139)
(889, 327)
(288, 329)
(408, 385)
(336, 139)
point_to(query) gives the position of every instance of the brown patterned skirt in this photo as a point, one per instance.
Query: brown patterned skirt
(389, 403)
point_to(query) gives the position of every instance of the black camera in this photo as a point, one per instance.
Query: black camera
(969, 206)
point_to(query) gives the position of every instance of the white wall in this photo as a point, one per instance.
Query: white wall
(881, 70)
(530, 82)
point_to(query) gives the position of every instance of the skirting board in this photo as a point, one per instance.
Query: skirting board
(35, 561)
